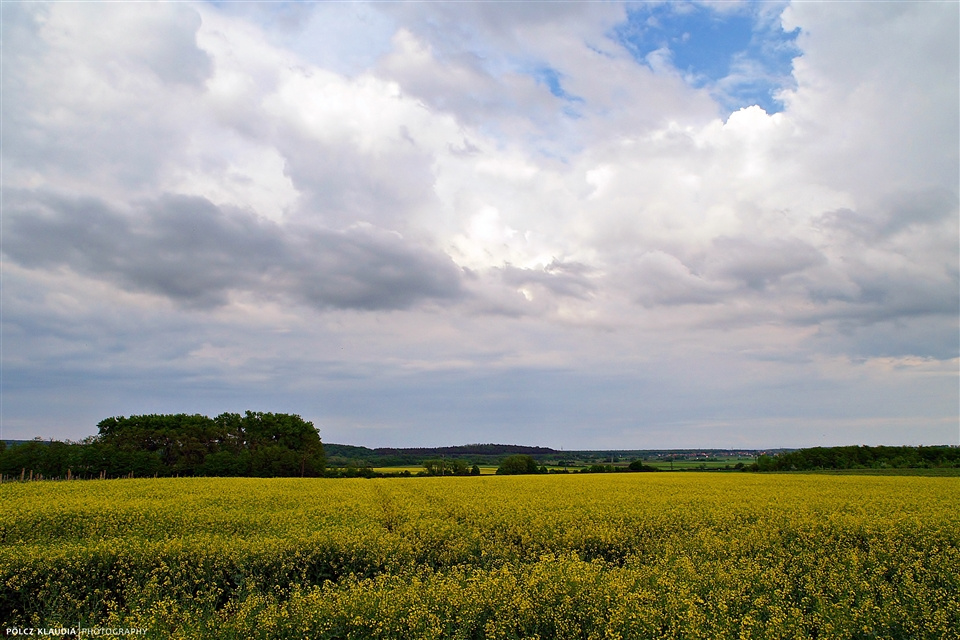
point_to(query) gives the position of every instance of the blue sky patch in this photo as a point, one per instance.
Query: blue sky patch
(742, 55)
(551, 78)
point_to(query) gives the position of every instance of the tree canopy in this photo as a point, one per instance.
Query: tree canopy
(862, 457)
(518, 464)
(252, 444)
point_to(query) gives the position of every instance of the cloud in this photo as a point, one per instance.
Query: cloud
(662, 279)
(758, 263)
(196, 254)
(328, 205)
(560, 278)
(98, 95)
(901, 211)
(876, 95)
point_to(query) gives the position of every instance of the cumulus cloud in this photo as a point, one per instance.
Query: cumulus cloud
(877, 109)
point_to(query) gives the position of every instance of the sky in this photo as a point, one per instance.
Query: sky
(580, 225)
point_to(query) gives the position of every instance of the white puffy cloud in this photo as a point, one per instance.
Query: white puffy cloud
(877, 95)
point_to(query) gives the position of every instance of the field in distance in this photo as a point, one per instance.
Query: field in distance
(485, 470)
(551, 556)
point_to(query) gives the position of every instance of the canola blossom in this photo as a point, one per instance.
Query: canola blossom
(690, 555)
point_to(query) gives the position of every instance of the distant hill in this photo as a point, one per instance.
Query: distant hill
(468, 450)
(348, 451)
(340, 454)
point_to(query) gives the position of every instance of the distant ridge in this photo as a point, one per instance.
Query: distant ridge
(346, 454)
(352, 451)
(468, 449)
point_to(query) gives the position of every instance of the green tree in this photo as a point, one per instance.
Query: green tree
(766, 463)
(255, 443)
(258, 430)
(517, 465)
(443, 467)
(226, 464)
(637, 465)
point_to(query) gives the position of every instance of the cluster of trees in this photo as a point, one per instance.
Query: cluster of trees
(636, 465)
(254, 444)
(519, 464)
(861, 457)
(444, 467)
(523, 464)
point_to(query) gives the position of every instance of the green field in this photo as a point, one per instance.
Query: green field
(646, 555)
(487, 470)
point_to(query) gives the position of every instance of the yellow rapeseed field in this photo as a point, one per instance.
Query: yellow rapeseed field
(653, 555)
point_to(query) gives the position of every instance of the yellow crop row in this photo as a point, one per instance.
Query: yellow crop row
(578, 556)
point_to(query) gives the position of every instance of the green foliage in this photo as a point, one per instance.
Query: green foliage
(637, 465)
(518, 464)
(599, 468)
(862, 458)
(258, 444)
(443, 467)
(766, 463)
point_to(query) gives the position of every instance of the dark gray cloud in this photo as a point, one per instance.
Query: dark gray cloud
(758, 262)
(898, 212)
(729, 268)
(921, 336)
(886, 295)
(658, 278)
(895, 260)
(196, 254)
(570, 279)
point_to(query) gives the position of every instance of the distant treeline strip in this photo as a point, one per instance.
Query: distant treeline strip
(283, 445)
(254, 444)
(468, 449)
(861, 457)
(350, 455)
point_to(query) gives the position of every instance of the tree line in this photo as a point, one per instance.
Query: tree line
(526, 464)
(860, 457)
(253, 444)
(275, 444)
